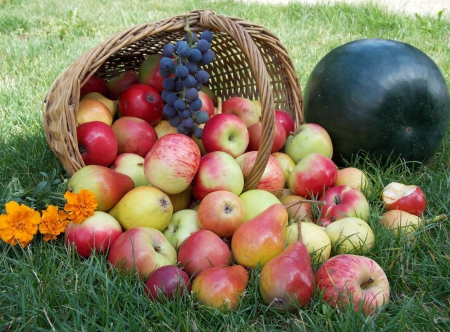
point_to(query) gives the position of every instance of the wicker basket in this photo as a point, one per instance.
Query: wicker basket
(250, 62)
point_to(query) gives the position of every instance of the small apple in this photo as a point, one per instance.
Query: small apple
(401, 222)
(408, 198)
(97, 143)
(256, 201)
(111, 104)
(255, 132)
(96, 234)
(243, 108)
(209, 93)
(93, 110)
(353, 177)
(142, 250)
(181, 200)
(167, 281)
(122, 81)
(132, 165)
(201, 251)
(227, 133)
(207, 103)
(344, 201)
(149, 72)
(134, 135)
(308, 138)
(218, 170)
(183, 224)
(312, 175)
(287, 164)
(286, 120)
(221, 212)
(299, 212)
(94, 83)
(273, 175)
(356, 280)
(350, 235)
(142, 101)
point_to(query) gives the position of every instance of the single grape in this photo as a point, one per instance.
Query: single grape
(203, 46)
(207, 57)
(183, 130)
(169, 111)
(179, 86)
(164, 94)
(181, 71)
(191, 94)
(164, 73)
(201, 116)
(166, 63)
(168, 50)
(174, 121)
(184, 50)
(189, 81)
(198, 85)
(188, 123)
(192, 67)
(195, 55)
(192, 36)
(171, 98)
(207, 35)
(195, 105)
(179, 105)
(184, 113)
(202, 76)
(177, 44)
(198, 132)
(168, 84)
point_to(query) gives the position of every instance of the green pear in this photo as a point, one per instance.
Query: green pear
(143, 206)
(106, 184)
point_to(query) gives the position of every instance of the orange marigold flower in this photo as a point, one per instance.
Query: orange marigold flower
(80, 206)
(53, 223)
(19, 224)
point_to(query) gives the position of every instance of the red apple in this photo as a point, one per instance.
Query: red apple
(297, 212)
(134, 135)
(142, 101)
(167, 281)
(221, 212)
(314, 174)
(201, 251)
(172, 163)
(96, 234)
(286, 120)
(225, 132)
(122, 81)
(255, 131)
(149, 72)
(273, 175)
(217, 171)
(94, 84)
(408, 198)
(356, 280)
(142, 250)
(344, 201)
(243, 108)
(97, 143)
(207, 103)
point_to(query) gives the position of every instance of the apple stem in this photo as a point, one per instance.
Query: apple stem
(157, 248)
(368, 282)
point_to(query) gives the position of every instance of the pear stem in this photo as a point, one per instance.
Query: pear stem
(368, 282)
(441, 217)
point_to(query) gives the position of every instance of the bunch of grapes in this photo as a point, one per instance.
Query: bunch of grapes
(183, 78)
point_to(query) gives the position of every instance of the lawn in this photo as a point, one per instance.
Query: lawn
(47, 287)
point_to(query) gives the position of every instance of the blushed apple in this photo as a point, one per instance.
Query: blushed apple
(287, 164)
(95, 83)
(401, 222)
(93, 110)
(182, 225)
(256, 201)
(148, 72)
(243, 108)
(408, 198)
(353, 177)
(132, 165)
(111, 104)
(255, 132)
(207, 103)
(122, 81)
(167, 281)
(302, 211)
(286, 120)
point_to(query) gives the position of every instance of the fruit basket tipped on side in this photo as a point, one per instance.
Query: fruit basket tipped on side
(250, 62)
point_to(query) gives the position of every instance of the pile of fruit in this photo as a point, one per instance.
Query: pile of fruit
(167, 161)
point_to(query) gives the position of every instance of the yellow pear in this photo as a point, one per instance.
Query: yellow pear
(143, 206)
(350, 234)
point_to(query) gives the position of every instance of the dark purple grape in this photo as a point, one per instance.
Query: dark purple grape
(202, 76)
(179, 86)
(188, 123)
(174, 121)
(191, 94)
(177, 44)
(168, 50)
(195, 55)
(179, 105)
(207, 58)
(192, 36)
(166, 63)
(171, 98)
(169, 111)
(198, 85)
(189, 81)
(207, 35)
(164, 94)
(196, 105)
(184, 113)
(181, 71)
(192, 67)
(198, 133)
(203, 46)
(168, 84)
(164, 73)
(201, 116)
(183, 130)
(184, 50)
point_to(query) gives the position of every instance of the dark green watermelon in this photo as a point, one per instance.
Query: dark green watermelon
(381, 97)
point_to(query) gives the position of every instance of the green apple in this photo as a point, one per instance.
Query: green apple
(182, 224)
(256, 201)
(350, 235)
(132, 165)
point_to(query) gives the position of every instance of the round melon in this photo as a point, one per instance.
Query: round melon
(381, 98)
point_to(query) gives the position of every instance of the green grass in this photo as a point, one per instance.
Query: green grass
(46, 287)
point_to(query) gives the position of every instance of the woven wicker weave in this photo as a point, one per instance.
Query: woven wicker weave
(250, 62)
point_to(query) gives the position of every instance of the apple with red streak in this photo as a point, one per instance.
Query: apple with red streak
(201, 251)
(408, 198)
(142, 250)
(122, 81)
(217, 171)
(255, 131)
(167, 281)
(314, 174)
(207, 104)
(243, 108)
(221, 212)
(273, 175)
(344, 201)
(134, 135)
(94, 84)
(148, 72)
(142, 101)
(96, 234)
(286, 120)
(352, 279)
(172, 163)
(97, 143)
(227, 133)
